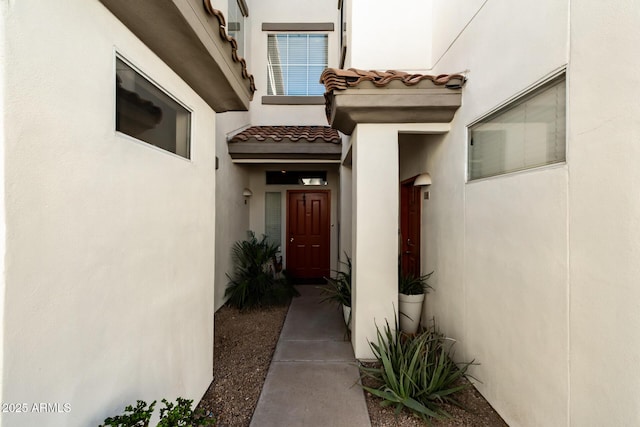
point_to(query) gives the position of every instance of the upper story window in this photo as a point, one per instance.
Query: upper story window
(235, 26)
(295, 62)
(297, 53)
(526, 133)
(146, 112)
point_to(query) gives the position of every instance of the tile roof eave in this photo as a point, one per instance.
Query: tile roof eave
(340, 79)
(294, 134)
(234, 45)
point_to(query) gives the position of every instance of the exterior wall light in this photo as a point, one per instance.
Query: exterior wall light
(422, 180)
(246, 193)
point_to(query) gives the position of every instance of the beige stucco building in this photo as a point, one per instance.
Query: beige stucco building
(116, 231)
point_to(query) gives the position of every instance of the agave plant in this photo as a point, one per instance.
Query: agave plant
(338, 288)
(416, 372)
(255, 282)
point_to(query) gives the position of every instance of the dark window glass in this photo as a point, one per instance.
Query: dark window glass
(145, 112)
(297, 178)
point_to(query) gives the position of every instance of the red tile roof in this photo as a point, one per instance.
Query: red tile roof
(288, 134)
(338, 79)
(234, 44)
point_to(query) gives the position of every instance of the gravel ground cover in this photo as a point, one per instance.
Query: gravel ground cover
(243, 348)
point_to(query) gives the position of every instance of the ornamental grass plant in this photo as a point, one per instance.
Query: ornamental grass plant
(338, 288)
(416, 371)
(410, 284)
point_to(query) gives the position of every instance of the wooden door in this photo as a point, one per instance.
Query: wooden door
(410, 220)
(308, 234)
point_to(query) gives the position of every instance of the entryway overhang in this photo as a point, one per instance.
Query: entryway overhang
(282, 144)
(194, 42)
(356, 96)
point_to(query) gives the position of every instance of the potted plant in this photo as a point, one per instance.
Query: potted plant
(338, 290)
(411, 292)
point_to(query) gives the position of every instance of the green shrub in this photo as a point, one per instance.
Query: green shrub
(132, 417)
(172, 415)
(255, 283)
(181, 415)
(416, 372)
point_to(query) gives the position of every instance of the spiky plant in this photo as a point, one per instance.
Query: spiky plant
(410, 284)
(338, 288)
(416, 372)
(254, 282)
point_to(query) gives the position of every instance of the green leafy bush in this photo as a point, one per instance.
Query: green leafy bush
(132, 417)
(255, 283)
(181, 415)
(172, 415)
(416, 372)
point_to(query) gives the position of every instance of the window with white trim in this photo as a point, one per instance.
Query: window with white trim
(295, 62)
(527, 133)
(145, 112)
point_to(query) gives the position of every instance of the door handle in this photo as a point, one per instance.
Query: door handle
(291, 240)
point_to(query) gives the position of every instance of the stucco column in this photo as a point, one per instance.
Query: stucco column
(374, 232)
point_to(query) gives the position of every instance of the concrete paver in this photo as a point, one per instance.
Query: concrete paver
(313, 379)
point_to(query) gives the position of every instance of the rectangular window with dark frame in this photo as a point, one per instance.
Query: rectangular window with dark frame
(296, 177)
(527, 133)
(146, 112)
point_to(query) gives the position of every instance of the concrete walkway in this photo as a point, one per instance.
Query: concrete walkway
(312, 380)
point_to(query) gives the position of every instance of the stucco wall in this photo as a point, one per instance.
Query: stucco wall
(3, 10)
(374, 244)
(384, 35)
(449, 20)
(499, 246)
(110, 242)
(604, 210)
(232, 215)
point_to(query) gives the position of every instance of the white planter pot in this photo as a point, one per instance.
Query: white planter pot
(410, 307)
(347, 316)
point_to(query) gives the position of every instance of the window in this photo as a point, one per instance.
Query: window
(296, 178)
(235, 27)
(273, 217)
(145, 112)
(295, 62)
(527, 133)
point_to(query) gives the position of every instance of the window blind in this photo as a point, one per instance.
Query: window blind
(295, 62)
(529, 133)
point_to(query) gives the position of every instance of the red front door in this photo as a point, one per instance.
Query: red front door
(308, 234)
(410, 220)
